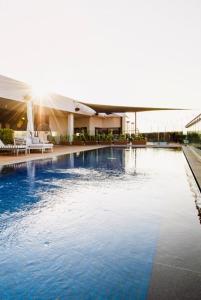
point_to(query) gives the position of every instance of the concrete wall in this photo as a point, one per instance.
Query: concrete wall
(111, 122)
(81, 122)
(97, 122)
(58, 123)
(107, 122)
(92, 122)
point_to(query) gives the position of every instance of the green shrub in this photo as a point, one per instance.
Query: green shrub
(101, 137)
(97, 137)
(109, 137)
(51, 139)
(91, 138)
(194, 138)
(7, 135)
(123, 137)
(79, 137)
(138, 137)
(64, 139)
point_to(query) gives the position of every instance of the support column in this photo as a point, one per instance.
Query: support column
(135, 122)
(30, 117)
(91, 128)
(70, 128)
(123, 125)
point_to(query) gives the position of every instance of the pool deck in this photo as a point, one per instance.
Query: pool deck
(193, 157)
(58, 150)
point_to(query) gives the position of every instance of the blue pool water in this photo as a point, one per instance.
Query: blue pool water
(89, 225)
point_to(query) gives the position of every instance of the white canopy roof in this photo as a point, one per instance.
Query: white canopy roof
(17, 91)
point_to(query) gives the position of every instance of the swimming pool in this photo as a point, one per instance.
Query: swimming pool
(110, 223)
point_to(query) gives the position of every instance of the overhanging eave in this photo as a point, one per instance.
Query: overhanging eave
(102, 108)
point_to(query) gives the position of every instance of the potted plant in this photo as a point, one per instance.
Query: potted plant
(90, 140)
(138, 140)
(122, 140)
(106, 139)
(100, 138)
(64, 140)
(78, 139)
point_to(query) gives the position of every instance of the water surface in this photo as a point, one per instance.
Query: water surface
(94, 225)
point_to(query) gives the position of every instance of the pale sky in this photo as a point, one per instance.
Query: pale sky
(145, 52)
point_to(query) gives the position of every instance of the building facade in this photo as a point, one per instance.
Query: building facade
(194, 125)
(54, 113)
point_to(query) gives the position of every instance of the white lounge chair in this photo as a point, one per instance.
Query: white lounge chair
(34, 143)
(13, 148)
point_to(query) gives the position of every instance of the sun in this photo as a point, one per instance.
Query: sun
(40, 94)
(39, 91)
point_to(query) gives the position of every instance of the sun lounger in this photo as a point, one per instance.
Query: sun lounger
(13, 148)
(36, 144)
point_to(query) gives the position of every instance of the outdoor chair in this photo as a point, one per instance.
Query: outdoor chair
(13, 148)
(34, 143)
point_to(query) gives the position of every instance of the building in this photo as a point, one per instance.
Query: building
(61, 115)
(194, 125)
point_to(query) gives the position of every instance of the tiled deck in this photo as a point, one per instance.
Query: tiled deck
(6, 159)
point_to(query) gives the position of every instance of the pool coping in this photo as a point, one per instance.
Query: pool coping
(64, 150)
(48, 155)
(194, 162)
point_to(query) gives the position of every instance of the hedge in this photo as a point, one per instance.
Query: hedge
(7, 135)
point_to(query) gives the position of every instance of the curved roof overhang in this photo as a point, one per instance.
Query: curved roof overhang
(108, 109)
(14, 90)
(17, 91)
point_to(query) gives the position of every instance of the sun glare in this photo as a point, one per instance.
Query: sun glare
(39, 91)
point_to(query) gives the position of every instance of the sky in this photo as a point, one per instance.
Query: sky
(131, 52)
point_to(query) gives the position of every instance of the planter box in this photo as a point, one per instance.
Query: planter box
(65, 143)
(78, 143)
(140, 142)
(120, 142)
(91, 143)
(105, 143)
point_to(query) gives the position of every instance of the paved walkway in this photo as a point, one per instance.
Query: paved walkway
(6, 159)
(161, 145)
(193, 157)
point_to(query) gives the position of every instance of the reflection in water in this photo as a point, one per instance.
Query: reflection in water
(45, 174)
(131, 160)
(195, 191)
(39, 174)
(75, 221)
